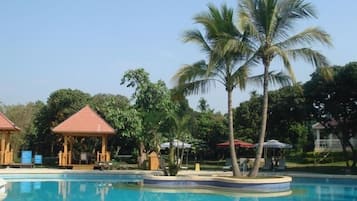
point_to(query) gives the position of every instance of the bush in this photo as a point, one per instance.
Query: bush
(316, 157)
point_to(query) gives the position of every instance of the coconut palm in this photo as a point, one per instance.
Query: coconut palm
(226, 49)
(270, 24)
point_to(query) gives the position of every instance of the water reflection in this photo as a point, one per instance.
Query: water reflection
(109, 191)
(58, 190)
(325, 191)
(82, 190)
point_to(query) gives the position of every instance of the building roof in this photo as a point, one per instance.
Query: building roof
(6, 124)
(85, 122)
(319, 126)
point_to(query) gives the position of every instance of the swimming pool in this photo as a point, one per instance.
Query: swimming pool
(123, 187)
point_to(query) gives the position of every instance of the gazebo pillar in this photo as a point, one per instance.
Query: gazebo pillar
(64, 159)
(2, 148)
(8, 157)
(104, 155)
(6, 154)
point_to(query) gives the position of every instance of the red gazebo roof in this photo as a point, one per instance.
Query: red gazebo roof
(6, 124)
(85, 122)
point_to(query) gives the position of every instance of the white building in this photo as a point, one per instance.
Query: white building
(328, 142)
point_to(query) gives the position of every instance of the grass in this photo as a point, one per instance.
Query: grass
(326, 168)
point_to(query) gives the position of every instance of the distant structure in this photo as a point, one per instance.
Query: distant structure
(84, 123)
(327, 142)
(7, 128)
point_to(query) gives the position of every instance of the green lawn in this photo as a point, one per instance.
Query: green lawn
(326, 168)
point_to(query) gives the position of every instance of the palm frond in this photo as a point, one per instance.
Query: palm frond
(197, 37)
(215, 21)
(249, 16)
(189, 73)
(290, 12)
(309, 55)
(279, 78)
(308, 36)
(196, 87)
(297, 9)
(275, 50)
(192, 79)
(240, 76)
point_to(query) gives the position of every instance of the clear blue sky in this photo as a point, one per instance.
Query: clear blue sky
(88, 44)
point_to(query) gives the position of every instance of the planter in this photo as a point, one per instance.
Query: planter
(252, 185)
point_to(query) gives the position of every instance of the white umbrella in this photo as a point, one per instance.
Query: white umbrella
(275, 144)
(176, 143)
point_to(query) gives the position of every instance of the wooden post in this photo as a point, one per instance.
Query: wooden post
(7, 149)
(2, 149)
(70, 141)
(65, 150)
(11, 156)
(108, 156)
(104, 148)
(60, 161)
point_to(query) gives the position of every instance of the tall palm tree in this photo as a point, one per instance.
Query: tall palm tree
(270, 24)
(226, 50)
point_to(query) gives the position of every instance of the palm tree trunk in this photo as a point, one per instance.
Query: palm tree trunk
(235, 167)
(255, 169)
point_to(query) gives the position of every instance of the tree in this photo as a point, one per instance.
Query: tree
(269, 24)
(123, 117)
(334, 104)
(203, 105)
(247, 118)
(153, 101)
(2, 107)
(23, 117)
(60, 105)
(287, 116)
(223, 65)
(176, 127)
(208, 129)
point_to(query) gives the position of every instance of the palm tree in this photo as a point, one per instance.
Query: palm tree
(270, 23)
(226, 48)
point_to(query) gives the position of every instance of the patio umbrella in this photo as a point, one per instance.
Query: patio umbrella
(237, 143)
(176, 143)
(275, 144)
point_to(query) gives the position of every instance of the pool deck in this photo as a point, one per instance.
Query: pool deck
(148, 172)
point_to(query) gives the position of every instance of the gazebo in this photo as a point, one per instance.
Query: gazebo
(84, 123)
(6, 129)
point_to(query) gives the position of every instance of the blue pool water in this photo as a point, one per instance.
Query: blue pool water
(98, 187)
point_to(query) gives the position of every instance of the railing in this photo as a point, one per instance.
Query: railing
(6, 157)
(333, 145)
(64, 159)
(103, 157)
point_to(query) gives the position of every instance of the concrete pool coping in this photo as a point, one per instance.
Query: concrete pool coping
(150, 172)
(181, 173)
